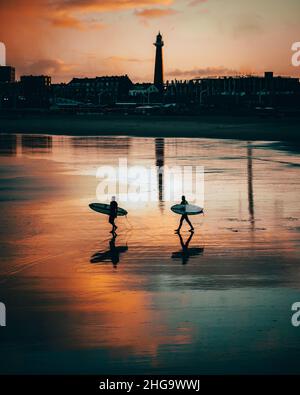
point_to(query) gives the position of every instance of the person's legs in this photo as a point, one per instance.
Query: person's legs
(189, 222)
(180, 223)
(112, 222)
(114, 225)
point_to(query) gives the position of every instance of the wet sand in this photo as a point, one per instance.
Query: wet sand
(73, 309)
(229, 127)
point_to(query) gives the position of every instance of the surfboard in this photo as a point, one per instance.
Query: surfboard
(189, 209)
(103, 208)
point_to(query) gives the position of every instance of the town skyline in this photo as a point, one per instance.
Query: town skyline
(67, 39)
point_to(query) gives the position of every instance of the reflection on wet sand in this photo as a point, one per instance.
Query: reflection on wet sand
(112, 254)
(250, 186)
(95, 145)
(160, 162)
(226, 311)
(36, 144)
(8, 144)
(187, 251)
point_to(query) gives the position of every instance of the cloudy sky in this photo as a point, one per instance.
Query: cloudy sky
(66, 38)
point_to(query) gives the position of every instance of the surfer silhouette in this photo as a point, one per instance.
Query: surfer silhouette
(184, 217)
(113, 212)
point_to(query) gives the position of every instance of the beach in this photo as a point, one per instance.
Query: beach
(148, 301)
(218, 126)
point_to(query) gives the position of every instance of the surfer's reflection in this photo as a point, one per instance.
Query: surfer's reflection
(111, 255)
(186, 252)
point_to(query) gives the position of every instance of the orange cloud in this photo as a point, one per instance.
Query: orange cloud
(63, 20)
(153, 13)
(202, 72)
(47, 67)
(106, 5)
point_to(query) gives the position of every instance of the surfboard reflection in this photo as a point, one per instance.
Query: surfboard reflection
(111, 255)
(185, 253)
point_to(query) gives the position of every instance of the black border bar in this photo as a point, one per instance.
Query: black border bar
(90, 384)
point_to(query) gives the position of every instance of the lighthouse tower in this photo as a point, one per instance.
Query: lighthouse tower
(158, 72)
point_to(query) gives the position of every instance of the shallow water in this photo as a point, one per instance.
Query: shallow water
(147, 302)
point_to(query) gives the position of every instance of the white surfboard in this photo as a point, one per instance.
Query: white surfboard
(189, 209)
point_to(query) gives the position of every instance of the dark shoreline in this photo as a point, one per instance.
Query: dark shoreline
(224, 127)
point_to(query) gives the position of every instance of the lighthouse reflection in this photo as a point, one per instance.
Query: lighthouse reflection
(250, 186)
(160, 161)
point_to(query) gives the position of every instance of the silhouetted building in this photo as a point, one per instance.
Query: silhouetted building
(9, 94)
(158, 71)
(183, 91)
(7, 74)
(97, 91)
(236, 91)
(251, 90)
(35, 90)
(143, 93)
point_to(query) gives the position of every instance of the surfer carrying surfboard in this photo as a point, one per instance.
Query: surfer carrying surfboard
(113, 213)
(184, 216)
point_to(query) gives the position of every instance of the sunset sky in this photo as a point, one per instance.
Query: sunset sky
(66, 38)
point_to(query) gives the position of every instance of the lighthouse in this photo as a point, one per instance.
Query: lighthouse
(158, 71)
